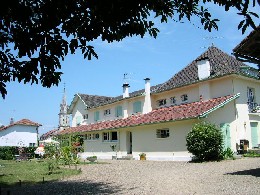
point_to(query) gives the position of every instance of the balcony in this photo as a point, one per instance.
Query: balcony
(253, 107)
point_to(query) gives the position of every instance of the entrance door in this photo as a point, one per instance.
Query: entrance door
(226, 135)
(254, 134)
(129, 142)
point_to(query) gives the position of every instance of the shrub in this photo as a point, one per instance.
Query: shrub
(7, 152)
(205, 142)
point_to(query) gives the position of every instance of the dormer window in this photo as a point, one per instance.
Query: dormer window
(173, 100)
(107, 112)
(161, 102)
(184, 98)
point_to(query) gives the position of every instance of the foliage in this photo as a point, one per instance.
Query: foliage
(7, 152)
(36, 35)
(142, 154)
(251, 154)
(30, 172)
(205, 142)
(228, 154)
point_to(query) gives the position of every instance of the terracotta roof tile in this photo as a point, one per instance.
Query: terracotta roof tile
(173, 113)
(26, 122)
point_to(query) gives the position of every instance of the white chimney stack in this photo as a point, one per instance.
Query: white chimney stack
(147, 100)
(125, 90)
(203, 69)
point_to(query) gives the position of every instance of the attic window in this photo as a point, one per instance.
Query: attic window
(85, 116)
(161, 102)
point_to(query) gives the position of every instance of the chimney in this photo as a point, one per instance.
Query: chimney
(147, 100)
(203, 69)
(125, 90)
(11, 121)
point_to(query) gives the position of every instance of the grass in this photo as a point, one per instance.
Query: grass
(30, 172)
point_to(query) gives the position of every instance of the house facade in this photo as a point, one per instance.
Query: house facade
(215, 87)
(21, 133)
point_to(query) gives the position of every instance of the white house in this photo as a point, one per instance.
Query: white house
(20, 133)
(215, 87)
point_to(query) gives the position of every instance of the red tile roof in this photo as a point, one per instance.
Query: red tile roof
(49, 134)
(22, 122)
(173, 113)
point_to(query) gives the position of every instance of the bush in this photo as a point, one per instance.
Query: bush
(205, 142)
(7, 152)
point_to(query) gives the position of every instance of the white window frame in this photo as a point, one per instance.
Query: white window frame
(88, 136)
(162, 133)
(95, 136)
(161, 102)
(107, 137)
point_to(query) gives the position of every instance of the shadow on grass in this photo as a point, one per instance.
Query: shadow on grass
(64, 187)
(253, 172)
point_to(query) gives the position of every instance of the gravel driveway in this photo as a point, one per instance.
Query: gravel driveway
(241, 176)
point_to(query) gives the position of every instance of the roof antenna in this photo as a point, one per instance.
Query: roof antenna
(212, 39)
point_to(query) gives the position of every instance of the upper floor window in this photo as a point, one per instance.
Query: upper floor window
(162, 133)
(96, 116)
(184, 97)
(118, 111)
(85, 116)
(137, 107)
(250, 95)
(88, 136)
(107, 112)
(173, 100)
(161, 102)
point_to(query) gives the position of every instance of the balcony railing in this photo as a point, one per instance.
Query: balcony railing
(253, 107)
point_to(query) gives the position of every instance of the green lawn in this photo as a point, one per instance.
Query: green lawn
(12, 172)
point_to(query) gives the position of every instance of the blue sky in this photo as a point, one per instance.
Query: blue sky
(159, 59)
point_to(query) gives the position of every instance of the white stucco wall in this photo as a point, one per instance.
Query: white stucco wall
(78, 111)
(144, 140)
(244, 118)
(18, 135)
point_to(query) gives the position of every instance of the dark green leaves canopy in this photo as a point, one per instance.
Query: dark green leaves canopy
(35, 35)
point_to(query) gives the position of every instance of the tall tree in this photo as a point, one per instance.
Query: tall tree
(35, 35)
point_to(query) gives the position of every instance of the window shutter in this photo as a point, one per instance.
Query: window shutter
(119, 111)
(137, 107)
(96, 116)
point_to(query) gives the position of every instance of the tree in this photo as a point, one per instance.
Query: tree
(205, 142)
(35, 35)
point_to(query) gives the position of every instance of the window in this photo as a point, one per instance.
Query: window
(31, 144)
(107, 112)
(173, 100)
(161, 102)
(96, 116)
(88, 136)
(137, 107)
(113, 136)
(250, 95)
(162, 133)
(184, 97)
(118, 111)
(106, 136)
(110, 136)
(95, 136)
(85, 116)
